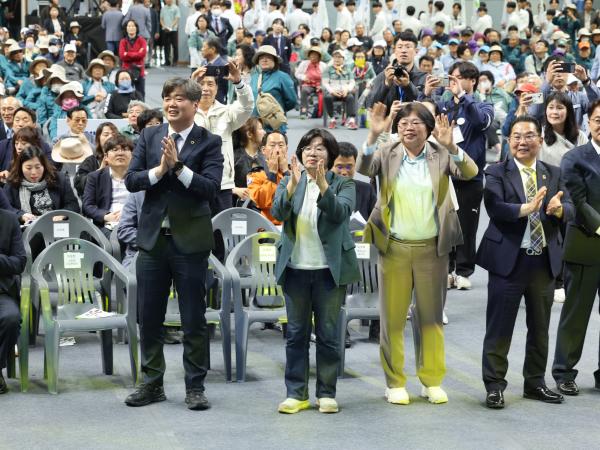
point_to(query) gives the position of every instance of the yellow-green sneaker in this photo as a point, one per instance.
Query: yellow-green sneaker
(327, 405)
(292, 406)
(397, 396)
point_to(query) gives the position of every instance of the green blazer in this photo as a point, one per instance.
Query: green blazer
(335, 208)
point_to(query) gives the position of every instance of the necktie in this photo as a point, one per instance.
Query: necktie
(217, 25)
(176, 137)
(536, 242)
(9, 133)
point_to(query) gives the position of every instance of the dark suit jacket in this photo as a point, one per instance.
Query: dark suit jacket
(335, 208)
(6, 152)
(62, 196)
(48, 25)
(580, 171)
(365, 198)
(12, 254)
(503, 196)
(187, 208)
(225, 31)
(223, 84)
(2, 131)
(97, 196)
(284, 52)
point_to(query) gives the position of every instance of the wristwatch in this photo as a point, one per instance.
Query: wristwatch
(178, 166)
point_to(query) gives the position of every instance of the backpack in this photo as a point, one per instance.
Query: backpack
(269, 109)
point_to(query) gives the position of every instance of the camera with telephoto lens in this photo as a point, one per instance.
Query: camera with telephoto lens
(399, 70)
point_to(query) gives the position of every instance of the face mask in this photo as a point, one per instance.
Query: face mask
(360, 62)
(55, 87)
(125, 84)
(69, 103)
(484, 86)
(53, 49)
(216, 12)
(29, 45)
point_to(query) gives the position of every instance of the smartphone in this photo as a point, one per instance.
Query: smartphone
(444, 81)
(567, 67)
(217, 71)
(537, 98)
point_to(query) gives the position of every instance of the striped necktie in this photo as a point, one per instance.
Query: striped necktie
(536, 242)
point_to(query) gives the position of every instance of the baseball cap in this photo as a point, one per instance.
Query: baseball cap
(70, 48)
(453, 42)
(530, 88)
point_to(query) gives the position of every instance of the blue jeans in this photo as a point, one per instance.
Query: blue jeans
(308, 292)
(113, 46)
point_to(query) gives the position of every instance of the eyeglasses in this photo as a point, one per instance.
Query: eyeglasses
(527, 137)
(316, 149)
(405, 123)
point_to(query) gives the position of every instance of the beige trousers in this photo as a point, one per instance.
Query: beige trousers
(408, 266)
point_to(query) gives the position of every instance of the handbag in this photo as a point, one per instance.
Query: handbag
(269, 109)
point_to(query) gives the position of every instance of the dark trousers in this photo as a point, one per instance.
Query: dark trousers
(170, 40)
(10, 325)
(469, 195)
(156, 270)
(349, 101)
(305, 93)
(582, 284)
(140, 86)
(532, 279)
(113, 46)
(308, 292)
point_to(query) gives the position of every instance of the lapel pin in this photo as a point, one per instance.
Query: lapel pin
(192, 142)
(543, 176)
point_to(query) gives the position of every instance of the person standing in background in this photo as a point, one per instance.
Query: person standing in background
(142, 17)
(154, 32)
(112, 21)
(169, 22)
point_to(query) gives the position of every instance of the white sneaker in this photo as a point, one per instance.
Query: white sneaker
(463, 283)
(327, 405)
(397, 396)
(451, 281)
(559, 295)
(444, 317)
(435, 394)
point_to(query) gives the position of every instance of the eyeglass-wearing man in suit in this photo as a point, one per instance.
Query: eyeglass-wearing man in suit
(521, 250)
(179, 165)
(580, 170)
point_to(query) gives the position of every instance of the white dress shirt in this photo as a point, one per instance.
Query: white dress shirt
(186, 174)
(526, 242)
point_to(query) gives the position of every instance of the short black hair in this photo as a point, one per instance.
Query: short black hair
(30, 112)
(593, 106)
(406, 36)
(191, 89)
(421, 112)
(426, 58)
(137, 27)
(214, 43)
(72, 111)
(278, 20)
(410, 11)
(439, 23)
(511, 5)
(439, 5)
(456, 4)
(118, 141)
(544, 41)
(329, 142)
(269, 133)
(489, 75)
(146, 116)
(527, 119)
(348, 150)
(337, 3)
(298, 3)
(466, 69)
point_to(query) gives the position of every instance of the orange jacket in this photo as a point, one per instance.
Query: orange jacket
(261, 189)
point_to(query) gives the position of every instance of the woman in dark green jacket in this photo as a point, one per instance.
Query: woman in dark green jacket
(316, 261)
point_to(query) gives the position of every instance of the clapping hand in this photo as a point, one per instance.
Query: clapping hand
(295, 175)
(321, 180)
(169, 149)
(536, 203)
(555, 207)
(273, 161)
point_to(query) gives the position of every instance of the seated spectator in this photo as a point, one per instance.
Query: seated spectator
(128, 226)
(149, 118)
(55, 78)
(131, 130)
(119, 100)
(105, 192)
(273, 81)
(96, 89)
(34, 187)
(503, 72)
(246, 154)
(363, 72)
(25, 134)
(73, 70)
(104, 132)
(13, 263)
(339, 85)
(8, 107)
(68, 106)
(17, 69)
(310, 73)
(345, 166)
(32, 87)
(55, 53)
(265, 175)
(74, 37)
(111, 63)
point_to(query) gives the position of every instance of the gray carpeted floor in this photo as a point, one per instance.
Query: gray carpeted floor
(89, 410)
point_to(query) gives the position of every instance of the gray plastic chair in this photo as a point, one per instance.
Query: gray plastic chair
(362, 297)
(221, 312)
(256, 255)
(71, 263)
(50, 233)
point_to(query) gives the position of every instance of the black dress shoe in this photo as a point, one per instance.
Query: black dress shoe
(543, 394)
(494, 400)
(568, 388)
(196, 400)
(3, 386)
(146, 394)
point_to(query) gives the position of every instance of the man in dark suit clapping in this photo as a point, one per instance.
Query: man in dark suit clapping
(179, 165)
(580, 169)
(521, 250)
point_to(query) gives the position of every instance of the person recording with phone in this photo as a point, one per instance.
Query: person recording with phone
(557, 72)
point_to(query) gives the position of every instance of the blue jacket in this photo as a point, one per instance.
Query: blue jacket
(279, 85)
(25, 89)
(16, 72)
(59, 113)
(503, 196)
(97, 196)
(477, 117)
(87, 84)
(45, 105)
(32, 93)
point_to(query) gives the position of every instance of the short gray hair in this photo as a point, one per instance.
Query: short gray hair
(142, 105)
(191, 89)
